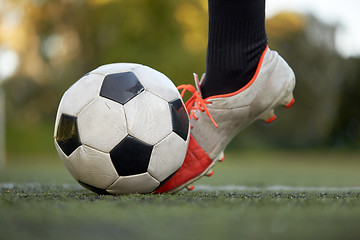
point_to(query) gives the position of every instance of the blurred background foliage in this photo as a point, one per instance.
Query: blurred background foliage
(57, 41)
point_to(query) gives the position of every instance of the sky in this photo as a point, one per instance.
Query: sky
(344, 13)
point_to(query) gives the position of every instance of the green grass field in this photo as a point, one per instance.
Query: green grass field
(253, 195)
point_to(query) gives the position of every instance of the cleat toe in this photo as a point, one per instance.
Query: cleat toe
(190, 187)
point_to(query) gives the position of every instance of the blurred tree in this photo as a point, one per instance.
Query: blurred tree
(321, 75)
(346, 131)
(59, 41)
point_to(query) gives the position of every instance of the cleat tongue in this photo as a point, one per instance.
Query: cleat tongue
(190, 187)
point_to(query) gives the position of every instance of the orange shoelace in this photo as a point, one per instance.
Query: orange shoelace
(196, 102)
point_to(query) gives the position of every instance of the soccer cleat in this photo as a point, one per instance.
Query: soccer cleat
(290, 103)
(210, 173)
(271, 119)
(216, 120)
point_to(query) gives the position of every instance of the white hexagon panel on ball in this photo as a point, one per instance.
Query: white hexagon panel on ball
(167, 157)
(79, 95)
(141, 183)
(115, 68)
(157, 83)
(148, 118)
(93, 167)
(102, 124)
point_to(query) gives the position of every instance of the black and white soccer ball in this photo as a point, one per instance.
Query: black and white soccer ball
(122, 128)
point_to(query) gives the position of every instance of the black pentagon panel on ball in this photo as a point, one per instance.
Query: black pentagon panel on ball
(121, 87)
(131, 156)
(67, 135)
(180, 120)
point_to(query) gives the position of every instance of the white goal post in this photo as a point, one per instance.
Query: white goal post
(2, 128)
(9, 61)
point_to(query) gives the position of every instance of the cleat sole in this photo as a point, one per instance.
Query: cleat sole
(188, 185)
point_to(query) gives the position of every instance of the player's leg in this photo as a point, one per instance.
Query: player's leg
(229, 100)
(236, 41)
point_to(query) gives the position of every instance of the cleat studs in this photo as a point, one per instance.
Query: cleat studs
(290, 103)
(271, 119)
(210, 173)
(268, 116)
(220, 157)
(190, 187)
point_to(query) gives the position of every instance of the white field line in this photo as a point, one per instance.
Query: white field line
(200, 188)
(49, 186)
(275, 188)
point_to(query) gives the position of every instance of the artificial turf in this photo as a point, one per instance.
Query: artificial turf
(39, 200)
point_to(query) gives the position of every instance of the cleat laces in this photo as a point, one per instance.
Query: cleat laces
(195, 102)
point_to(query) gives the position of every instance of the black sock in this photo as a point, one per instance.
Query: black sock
(237, 39)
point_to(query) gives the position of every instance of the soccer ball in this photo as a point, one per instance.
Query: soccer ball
(122, 128)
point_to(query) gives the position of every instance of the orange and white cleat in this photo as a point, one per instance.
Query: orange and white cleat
(216, 120)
